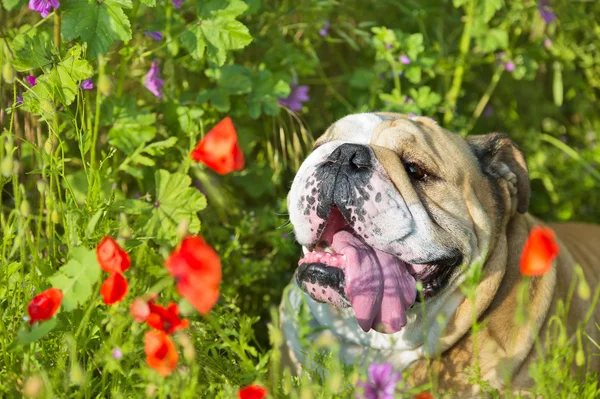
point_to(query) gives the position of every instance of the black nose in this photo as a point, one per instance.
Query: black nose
(355, 156)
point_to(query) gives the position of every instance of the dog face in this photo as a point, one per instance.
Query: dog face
(386, 202)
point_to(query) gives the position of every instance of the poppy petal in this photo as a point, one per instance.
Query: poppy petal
(197, 270)
(111, 257)
(219, 149)
(165, 319)
(43, 306)
(161, 354)
(113, 289)
(539, 252)
(252, 392)
(139, 310)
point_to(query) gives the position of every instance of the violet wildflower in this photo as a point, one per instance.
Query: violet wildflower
(389, 46)
(117, 353)
(177, 3)
(405, 60)
(412, 115)
(19, 99)
(87, 84)
(509, 66)
(152, 81)
(324, 29)
(156, 35)
(382, 382)
(547, 43)
(44, 7)
(298, 95)
(31, 80)
(546, 11)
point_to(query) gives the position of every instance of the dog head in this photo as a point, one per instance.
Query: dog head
(385, 203)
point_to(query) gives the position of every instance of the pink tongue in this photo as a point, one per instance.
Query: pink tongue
(379, 286)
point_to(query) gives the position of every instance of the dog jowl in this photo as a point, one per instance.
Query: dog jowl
(364, 245)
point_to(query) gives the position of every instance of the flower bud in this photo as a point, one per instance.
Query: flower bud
(25, 208)
(7, 166)
(48, 146)
(33, 387)
(8, 73)
(55, 217)
(579, 358)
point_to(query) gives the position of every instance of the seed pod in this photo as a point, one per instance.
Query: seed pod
(25, 208)
(33, 387)
(8, 73)
(48, 146)
(55, 216)
(7, 166)
(579, 358)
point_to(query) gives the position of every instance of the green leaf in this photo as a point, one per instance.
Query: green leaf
(32, 52)
(174, 202)
(130, 132)
(98, 23)
(12, 4)
(38, 332)
(218, 33)
(492, 40)
(264, 95)
(77, 277)
(149, 3)
(60, 85)
(220, 8)
(487, 8)
(231, 80)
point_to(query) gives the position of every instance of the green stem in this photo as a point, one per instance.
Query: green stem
(486, 97)
(465, 43)
(101, 65)
(223, 335)
(57, 23)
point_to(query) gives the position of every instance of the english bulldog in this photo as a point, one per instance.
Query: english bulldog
(386, 204)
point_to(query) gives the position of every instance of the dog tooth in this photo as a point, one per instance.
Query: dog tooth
(305, 250)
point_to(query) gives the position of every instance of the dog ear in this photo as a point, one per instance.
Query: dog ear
(500, 158)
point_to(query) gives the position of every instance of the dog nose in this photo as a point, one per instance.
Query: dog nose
(356, 156)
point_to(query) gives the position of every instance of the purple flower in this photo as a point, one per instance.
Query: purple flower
(405, 60)
(389, 46)
(298, 95)
(544, 9)
(382, 382)
(547, 43)
(412, 115)
(382, 75)
(44, 7)
(19, 99)
(509, 66)
(152, 81)
(324, 29)
(31, 79)
(177, 3)
(117, 353)
(156, 35)
(87, 84)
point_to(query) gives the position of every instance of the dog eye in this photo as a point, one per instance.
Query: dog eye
(415, 171)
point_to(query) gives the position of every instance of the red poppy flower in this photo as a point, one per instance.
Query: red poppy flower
(539, 252)
(165, 319)
(197, 270)
(161, 354)
(139, 310)
(424, 395)
(252, 392)
(111, 257)
(44, 305)
(219, 149)
(113, 289)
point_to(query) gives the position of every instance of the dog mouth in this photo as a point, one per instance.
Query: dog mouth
(343, 270)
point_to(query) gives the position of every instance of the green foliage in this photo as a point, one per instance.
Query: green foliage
(97, 23)
(217, 31)
(76, 278)
(174, 202)
(77, 165)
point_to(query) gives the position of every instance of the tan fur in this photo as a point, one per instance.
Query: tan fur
(503, 348)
